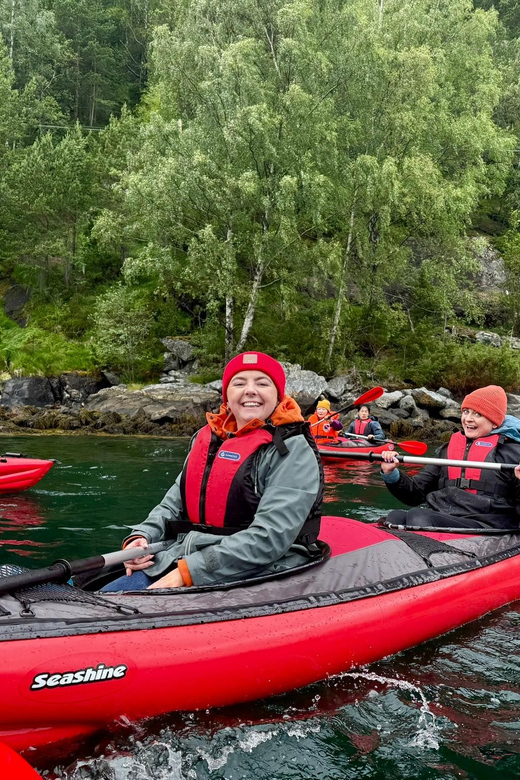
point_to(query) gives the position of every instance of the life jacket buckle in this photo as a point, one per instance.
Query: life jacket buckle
(463, 482)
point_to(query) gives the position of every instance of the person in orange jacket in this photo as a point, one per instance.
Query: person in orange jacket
(324, 426)
(247, 502)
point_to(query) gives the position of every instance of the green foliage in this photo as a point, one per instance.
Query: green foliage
(122, 324)
(298, 177)
(32, 350)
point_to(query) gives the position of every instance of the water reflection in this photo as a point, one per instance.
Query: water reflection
(18, 515)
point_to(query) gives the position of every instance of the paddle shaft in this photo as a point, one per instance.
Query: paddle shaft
(465, 464)
(61, 570)
(367, 438)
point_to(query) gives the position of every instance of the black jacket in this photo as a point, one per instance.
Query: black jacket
(498, 506)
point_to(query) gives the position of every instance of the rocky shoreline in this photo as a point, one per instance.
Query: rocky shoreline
(77, 403)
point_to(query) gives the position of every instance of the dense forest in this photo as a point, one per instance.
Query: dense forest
(314, 178)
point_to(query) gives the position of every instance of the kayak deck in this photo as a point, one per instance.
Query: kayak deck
(67, 667)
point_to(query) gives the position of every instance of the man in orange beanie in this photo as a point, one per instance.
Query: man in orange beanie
(462, 497)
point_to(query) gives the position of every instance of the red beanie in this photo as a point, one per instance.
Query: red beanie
(491, 401)
(254, 361)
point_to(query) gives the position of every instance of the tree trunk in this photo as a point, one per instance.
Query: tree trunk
(257, 281)
(251, 306)
(11, 33)
(76, 96)
(230, 309)
(342, 285)
(230, 340)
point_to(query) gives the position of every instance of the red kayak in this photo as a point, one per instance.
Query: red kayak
(19, 473)
(329, 451)
(73, 662)
(14, 767)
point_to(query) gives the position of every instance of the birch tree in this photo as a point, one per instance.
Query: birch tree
(416, 92)
(231, 174)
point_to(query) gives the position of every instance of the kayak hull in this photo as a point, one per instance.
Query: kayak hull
(214, 664)
(19, 473)
(330, 451)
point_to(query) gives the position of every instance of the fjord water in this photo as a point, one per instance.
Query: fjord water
(448, 709)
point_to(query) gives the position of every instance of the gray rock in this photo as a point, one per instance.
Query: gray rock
(180, 348)
(304, 386)
(171, 362)
(385, 416)
(451, 411)
(512, 400)
(14, 300)
(74, 387)
(389, 399)
(514, 343)
(408, 404)
(338, 385)
(215, 385)
(158, 402)
(36, 391)
(175, 378)
(428, 399)
(444, 392)
(420, 416)
(403, 414)
(492, 271)
(485, 337)
(111, 378)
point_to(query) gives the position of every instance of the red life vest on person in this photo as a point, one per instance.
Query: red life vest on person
(360, 426)
(481, 450)
(217, 490)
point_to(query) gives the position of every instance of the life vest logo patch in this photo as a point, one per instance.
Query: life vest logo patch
(226, 455)
(483, 444)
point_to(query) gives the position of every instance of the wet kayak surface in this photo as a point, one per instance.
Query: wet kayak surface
(448, 709)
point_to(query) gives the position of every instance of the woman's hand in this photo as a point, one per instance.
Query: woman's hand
(138, 563)
(517, 472)
(171, 580)
(389, 462)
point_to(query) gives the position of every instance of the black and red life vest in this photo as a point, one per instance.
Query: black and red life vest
(360, 426)
(217, 489)
(474, 480)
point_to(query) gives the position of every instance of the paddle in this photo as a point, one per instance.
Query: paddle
(465, 464)
(366, 398)
(62, 571)
(413, 447)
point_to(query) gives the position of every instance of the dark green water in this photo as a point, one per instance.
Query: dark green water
(449, 709)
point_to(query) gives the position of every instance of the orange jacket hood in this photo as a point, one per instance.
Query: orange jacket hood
(225, 423)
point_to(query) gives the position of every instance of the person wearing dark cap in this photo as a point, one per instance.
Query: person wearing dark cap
(366, 424)
(473, 498)
(248, 500)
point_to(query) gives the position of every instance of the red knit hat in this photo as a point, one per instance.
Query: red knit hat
(491, 401)
(254, 361)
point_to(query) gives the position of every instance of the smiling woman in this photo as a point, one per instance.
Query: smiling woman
(465, 498)
(248, 500)
(251, 395)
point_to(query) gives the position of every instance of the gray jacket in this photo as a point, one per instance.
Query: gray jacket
(288, 486)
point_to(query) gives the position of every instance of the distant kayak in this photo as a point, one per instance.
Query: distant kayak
(19, 473)
(72, 662)
(328, 451)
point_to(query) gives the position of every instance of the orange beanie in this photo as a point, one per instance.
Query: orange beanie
(490, 401)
